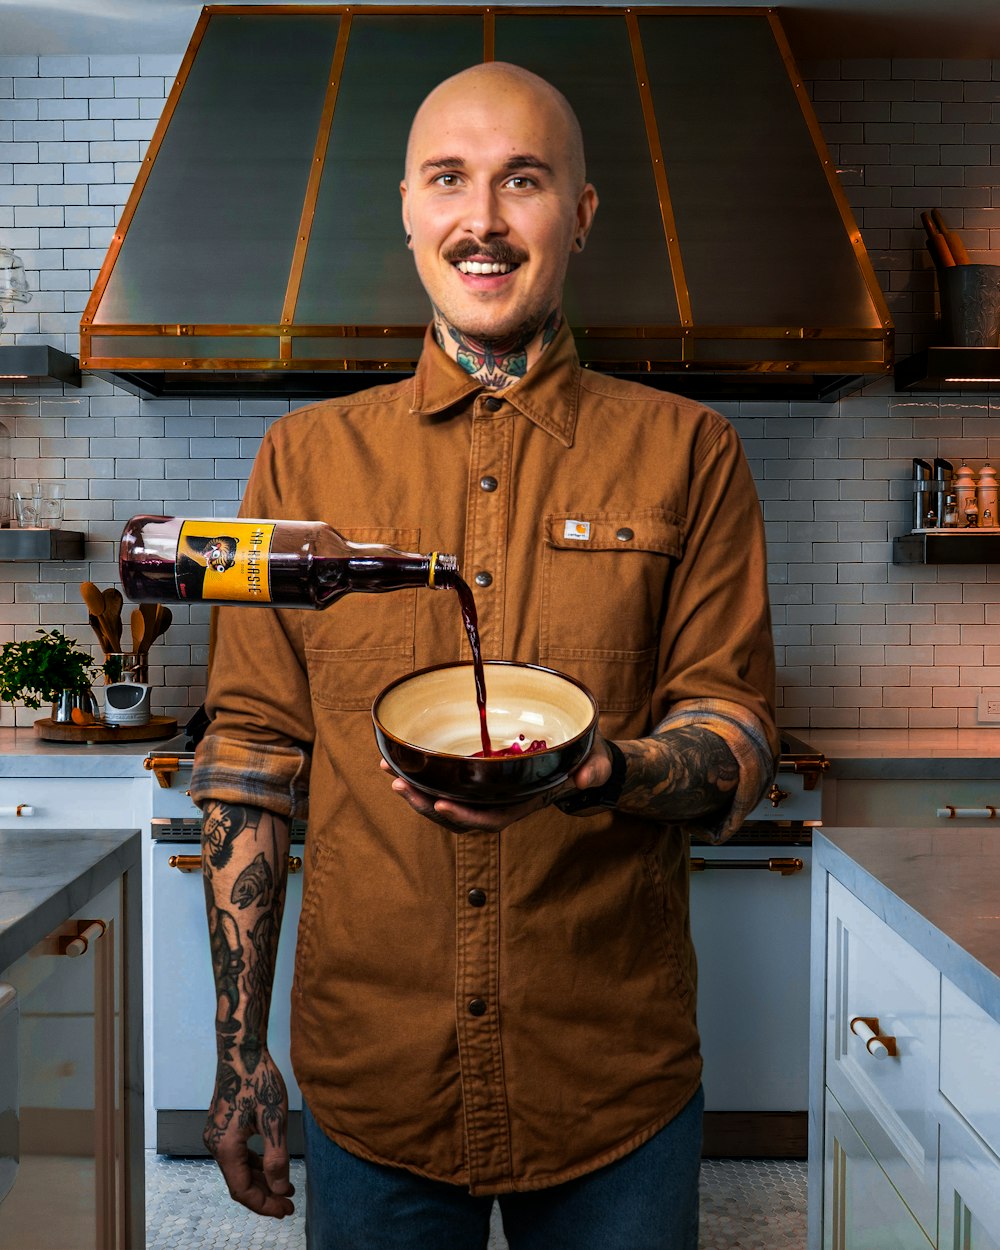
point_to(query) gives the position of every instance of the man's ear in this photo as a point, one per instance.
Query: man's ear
(585, 210)
(406, 212)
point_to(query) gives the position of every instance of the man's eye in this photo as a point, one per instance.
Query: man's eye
(521, 182)
(446, 180)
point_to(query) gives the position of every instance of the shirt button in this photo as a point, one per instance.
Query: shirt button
(488, 483)
(477, 1007)
(484, 579)
(625, 535)
(477, 898)
(492, 404)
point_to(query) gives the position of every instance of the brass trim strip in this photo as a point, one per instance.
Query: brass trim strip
(718, 368)
(145, 169)
(799, 333)
(316, 173)
(518, 10)
(681, 292)
(836, 190)
(489, 35)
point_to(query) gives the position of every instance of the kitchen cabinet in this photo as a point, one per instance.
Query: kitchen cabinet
(905, 1042)
(852, 802)
(99, 802)
(70, 940)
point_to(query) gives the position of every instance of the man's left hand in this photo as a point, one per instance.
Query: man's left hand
(594, 771)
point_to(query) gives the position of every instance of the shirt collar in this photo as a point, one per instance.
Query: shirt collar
(548, 394)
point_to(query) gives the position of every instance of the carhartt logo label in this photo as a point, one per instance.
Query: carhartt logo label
(576, 529)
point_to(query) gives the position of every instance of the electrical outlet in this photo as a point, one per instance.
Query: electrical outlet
(988, 708)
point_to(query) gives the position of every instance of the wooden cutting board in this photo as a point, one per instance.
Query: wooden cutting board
(157, 727)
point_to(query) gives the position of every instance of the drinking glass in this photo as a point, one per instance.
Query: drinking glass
(50, 504)
(27, 499)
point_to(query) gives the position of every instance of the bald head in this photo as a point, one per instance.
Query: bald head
(496, 85)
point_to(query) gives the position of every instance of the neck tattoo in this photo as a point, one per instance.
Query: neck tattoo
(496, 363)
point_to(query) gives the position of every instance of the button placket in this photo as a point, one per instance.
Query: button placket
(486, 522)
(477, 859)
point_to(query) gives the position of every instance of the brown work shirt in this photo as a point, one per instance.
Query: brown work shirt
(504, 1011)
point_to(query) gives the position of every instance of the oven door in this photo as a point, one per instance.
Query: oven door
(750, 925)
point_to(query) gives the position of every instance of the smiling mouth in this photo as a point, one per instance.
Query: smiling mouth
(483, 267)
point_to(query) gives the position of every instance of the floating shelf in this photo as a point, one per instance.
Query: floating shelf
(39, 544)
(956, 547)
(33, 361)
(949, 369)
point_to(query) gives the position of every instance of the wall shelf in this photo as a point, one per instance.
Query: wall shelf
(949, 369)
(981, 547)
(39, 544)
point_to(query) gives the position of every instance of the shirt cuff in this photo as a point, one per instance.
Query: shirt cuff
(275, 778)
(746, 737)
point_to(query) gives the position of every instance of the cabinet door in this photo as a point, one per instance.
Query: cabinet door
(970, 1190)
(70, 1188)
(862, 1210)
(74, 802)
(184, 990)
(874, 975)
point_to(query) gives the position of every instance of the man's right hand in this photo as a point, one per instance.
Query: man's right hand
(244, 1104)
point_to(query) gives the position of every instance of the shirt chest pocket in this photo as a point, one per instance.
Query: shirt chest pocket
(363, 641)
(604, 578)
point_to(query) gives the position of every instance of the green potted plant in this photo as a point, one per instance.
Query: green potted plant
(50, 669)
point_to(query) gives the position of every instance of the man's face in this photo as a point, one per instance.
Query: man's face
(494, 203)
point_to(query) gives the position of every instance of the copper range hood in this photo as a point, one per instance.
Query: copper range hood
(261, 250)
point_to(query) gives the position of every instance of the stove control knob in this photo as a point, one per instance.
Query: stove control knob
(777, 795)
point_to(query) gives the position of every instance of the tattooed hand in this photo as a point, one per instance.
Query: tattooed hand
(244, 1104)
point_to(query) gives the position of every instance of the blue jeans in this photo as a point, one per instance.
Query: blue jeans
(647, 1200)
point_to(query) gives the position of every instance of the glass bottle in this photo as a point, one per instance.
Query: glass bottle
(287, 564)
(5, 467)
(950, 518)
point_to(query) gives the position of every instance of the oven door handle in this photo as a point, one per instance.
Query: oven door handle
(192, 863)
(785, 865)
(986, 812)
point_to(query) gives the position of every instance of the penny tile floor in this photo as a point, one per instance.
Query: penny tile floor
(757, 1204)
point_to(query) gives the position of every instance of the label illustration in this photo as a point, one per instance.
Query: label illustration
(224, 560)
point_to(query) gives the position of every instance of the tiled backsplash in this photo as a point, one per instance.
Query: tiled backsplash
(861, 642)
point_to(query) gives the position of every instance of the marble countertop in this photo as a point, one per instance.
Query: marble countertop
(48, 874)
(24, 754)
(888, 754)
(939, 889)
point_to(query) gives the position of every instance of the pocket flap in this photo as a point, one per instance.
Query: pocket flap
(654, 530)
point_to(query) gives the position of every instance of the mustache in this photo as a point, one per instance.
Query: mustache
(498, 251)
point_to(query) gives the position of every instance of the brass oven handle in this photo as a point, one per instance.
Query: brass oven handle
(87, 931)
(986, 812)
(877, 1045)
(17, 809)
(785, 865)
(192, 863)
(164, 766)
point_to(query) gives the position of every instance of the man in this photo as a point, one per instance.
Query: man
(489, 1001)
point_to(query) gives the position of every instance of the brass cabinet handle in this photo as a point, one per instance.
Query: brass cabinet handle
(986, 812)
(87, 931)
(785, 865)
(192, 863)
(17, 809)
(867, 1028)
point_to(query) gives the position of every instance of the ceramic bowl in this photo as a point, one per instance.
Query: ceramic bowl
(427, 728)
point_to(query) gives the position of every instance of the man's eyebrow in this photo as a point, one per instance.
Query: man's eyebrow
(522, 160)
(526, 160)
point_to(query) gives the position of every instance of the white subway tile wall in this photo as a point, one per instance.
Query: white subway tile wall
(860, 642)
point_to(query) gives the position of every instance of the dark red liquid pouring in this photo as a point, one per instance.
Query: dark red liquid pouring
(470, 619)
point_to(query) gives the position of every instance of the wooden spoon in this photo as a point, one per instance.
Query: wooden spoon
(148, 611)
(138, 623)
(93, 598)
(113, 602)
(164, 619)
(97, 625)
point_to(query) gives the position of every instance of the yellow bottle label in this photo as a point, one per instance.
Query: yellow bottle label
(224, 560)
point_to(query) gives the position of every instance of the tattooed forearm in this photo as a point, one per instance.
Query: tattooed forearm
(680, 774)
(245, 858)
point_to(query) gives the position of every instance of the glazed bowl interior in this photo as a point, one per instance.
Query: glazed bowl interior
(427, 728)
